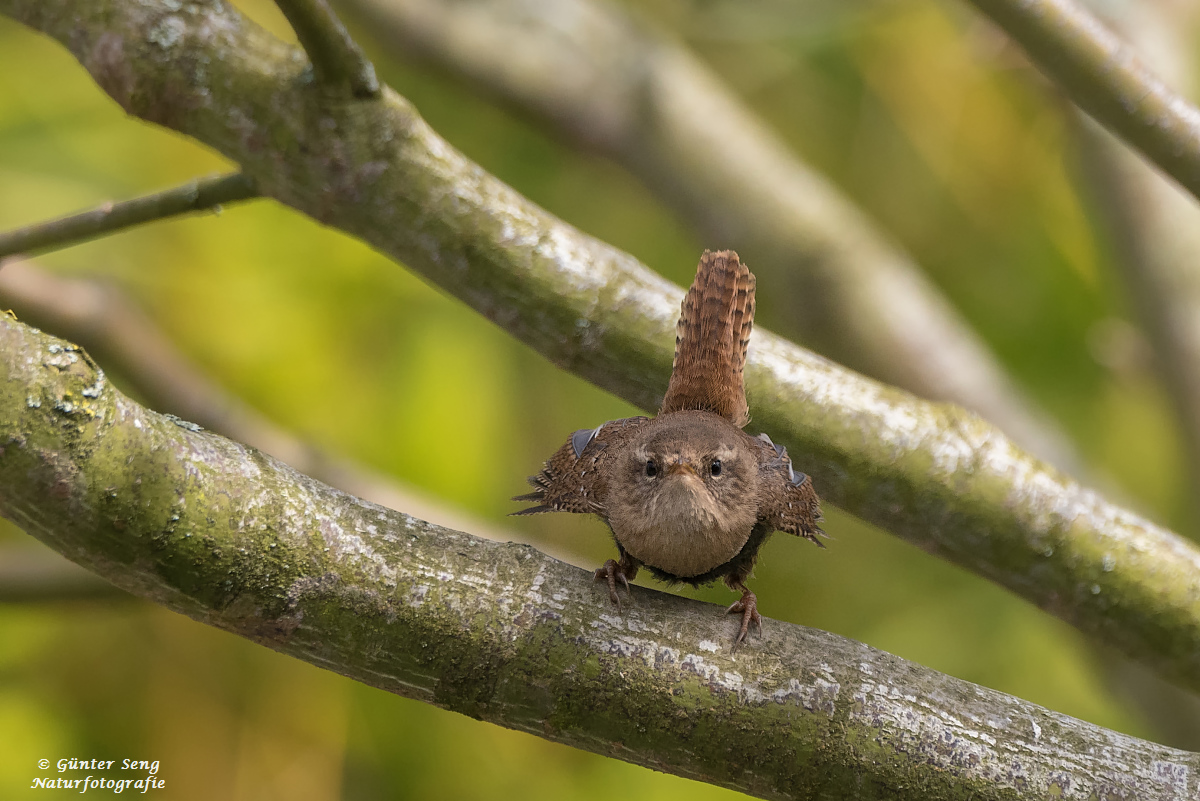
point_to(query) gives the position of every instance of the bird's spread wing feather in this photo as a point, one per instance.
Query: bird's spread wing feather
(711, 339)
(787, 500)
(571, 480)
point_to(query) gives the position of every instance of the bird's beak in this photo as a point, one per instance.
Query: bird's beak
(681, 467)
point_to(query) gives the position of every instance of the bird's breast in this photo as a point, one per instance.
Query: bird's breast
(681, 529)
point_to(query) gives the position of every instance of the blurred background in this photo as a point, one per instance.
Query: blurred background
(919, 112)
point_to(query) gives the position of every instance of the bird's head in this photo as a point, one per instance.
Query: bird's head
(693, 469)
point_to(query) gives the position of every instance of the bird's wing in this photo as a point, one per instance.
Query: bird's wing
(711, 339)
(571, 480)
(787, 500)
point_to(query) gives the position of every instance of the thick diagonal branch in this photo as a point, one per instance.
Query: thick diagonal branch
(501, 632)
(836, 282)
(930, 473)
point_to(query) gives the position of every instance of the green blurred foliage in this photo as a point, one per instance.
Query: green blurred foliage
(917, 110)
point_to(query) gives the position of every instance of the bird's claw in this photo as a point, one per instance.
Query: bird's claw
(748, 607)
(612, 572)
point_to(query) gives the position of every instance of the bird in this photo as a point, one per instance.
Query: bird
(687, 493)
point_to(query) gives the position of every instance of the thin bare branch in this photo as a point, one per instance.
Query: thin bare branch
(503, 633)
(202, 195)
(336, 57)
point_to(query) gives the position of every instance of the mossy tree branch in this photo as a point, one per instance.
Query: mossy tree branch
(929, 473)
(1105, 77)
(500, 632)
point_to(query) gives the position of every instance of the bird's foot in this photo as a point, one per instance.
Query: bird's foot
(748, 607)
(614, 571)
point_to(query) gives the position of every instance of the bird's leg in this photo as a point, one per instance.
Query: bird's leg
(748, 607)
(621, 571)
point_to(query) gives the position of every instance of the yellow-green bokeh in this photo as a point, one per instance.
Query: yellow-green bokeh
(961, 156)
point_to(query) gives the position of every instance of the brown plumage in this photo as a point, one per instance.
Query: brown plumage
(711, 339)
(688, 493)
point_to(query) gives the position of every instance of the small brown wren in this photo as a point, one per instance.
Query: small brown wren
(688, 494)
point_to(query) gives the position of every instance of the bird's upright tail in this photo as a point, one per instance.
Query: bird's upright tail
(711, 339)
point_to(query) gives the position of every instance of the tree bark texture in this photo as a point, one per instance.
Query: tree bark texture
(931, 473)
(500, 632)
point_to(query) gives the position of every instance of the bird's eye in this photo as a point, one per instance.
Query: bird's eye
(714, 469)
(651, 469)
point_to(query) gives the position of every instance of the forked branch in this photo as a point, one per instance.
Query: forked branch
(335, 56)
